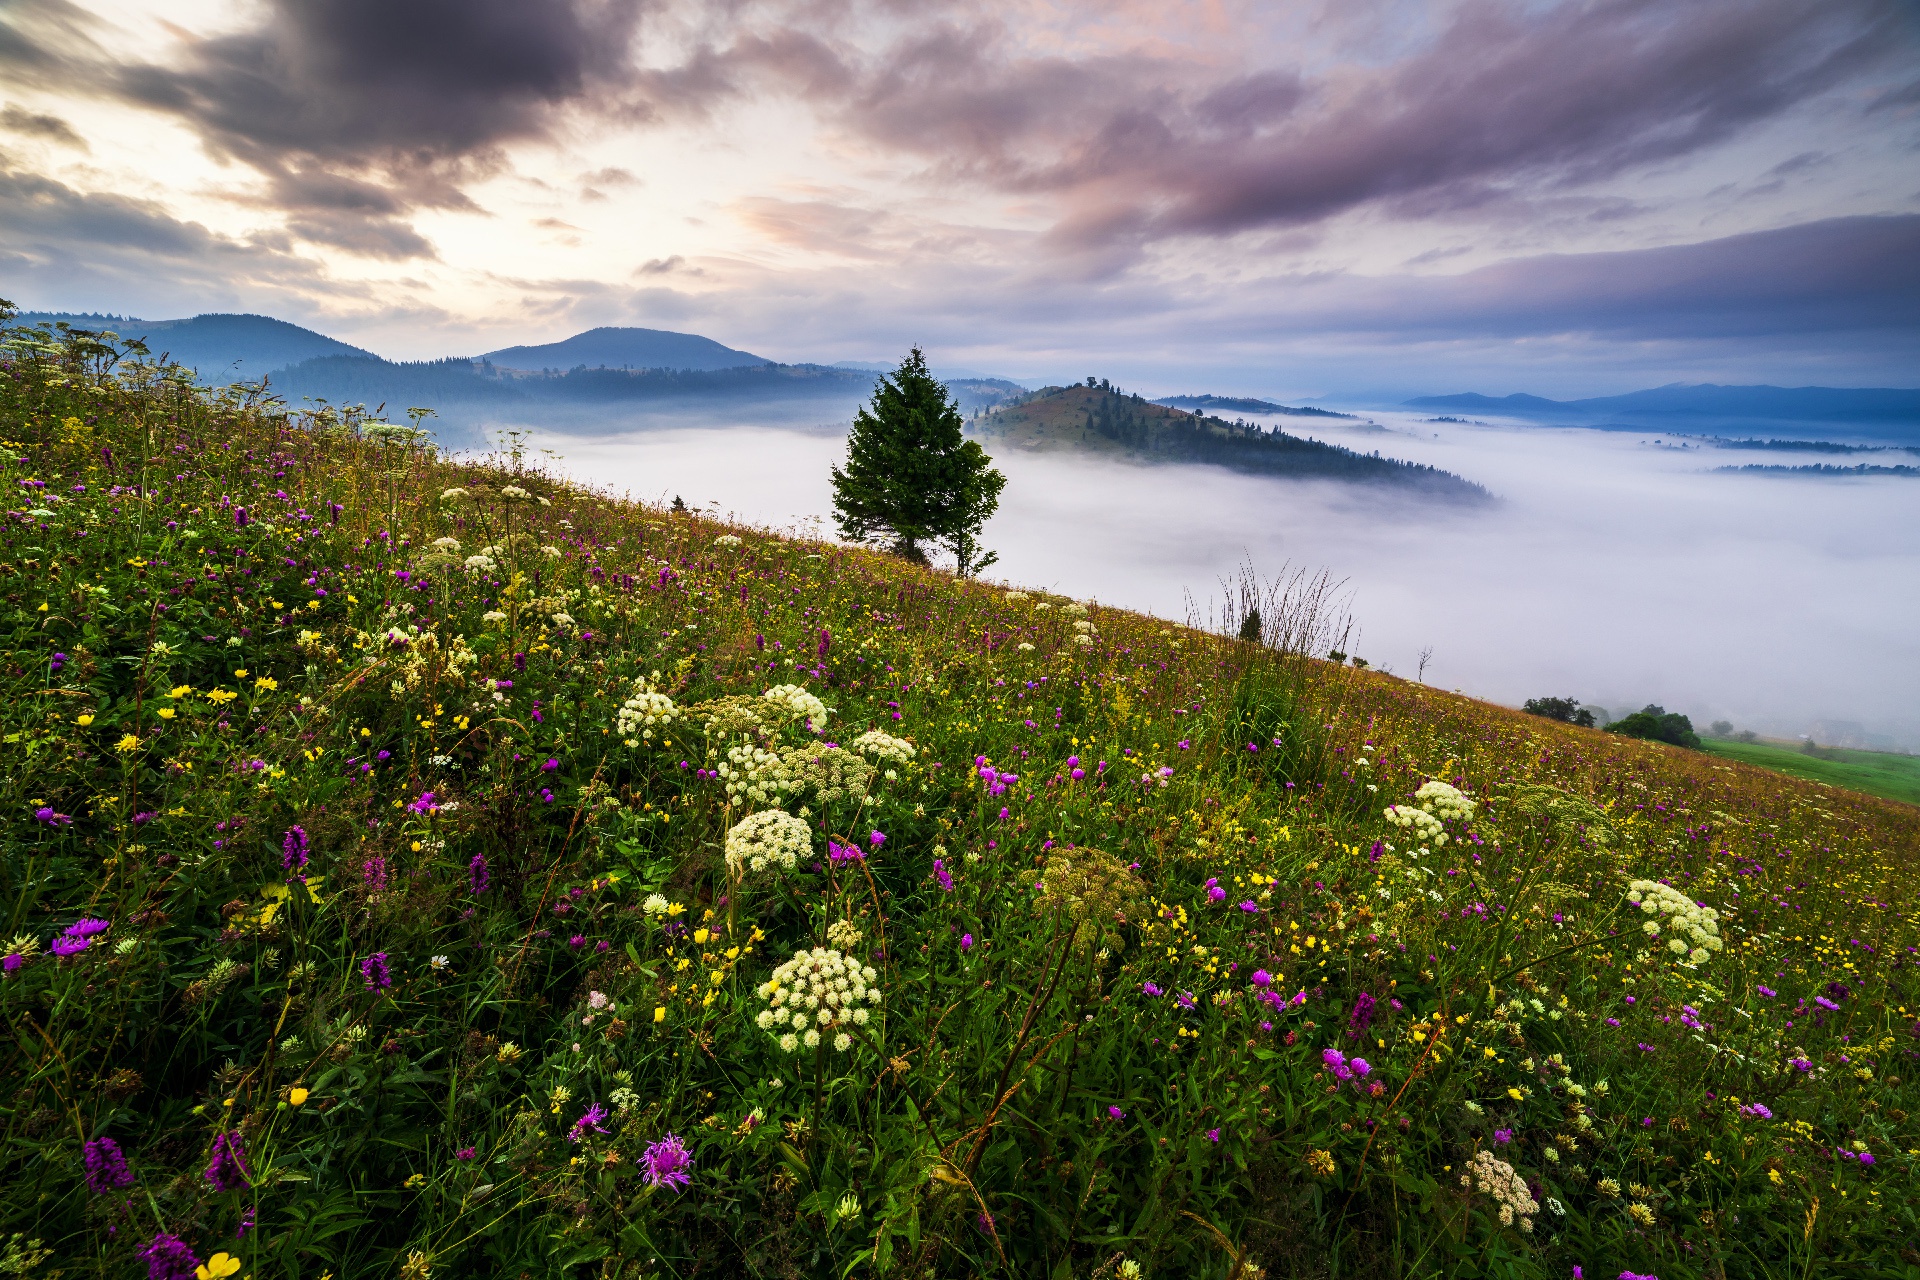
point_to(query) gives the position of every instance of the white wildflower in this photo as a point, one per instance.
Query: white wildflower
(770, 838)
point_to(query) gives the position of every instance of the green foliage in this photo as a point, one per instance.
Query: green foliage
(1657, 724)
(1877, 773)
(1565, 710)
(910, 477)
(398, 800)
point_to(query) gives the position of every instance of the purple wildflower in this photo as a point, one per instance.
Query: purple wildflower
(1768, 992)
(464, 1153)
(1214, 892)
(877, 838)
(1261, 978)
(87, 926)
(838, 853)
(1336, 1062)
(966, 942)
(373, 874)
(589, 1122)
(1827, 1004)
(1757, 1110)
(294, 849)
(374, 970)
(1213, 1135)
(1360, 1066)
(247, 1221)
(1148, 989)
(1362, 1016)
(51, 818)
(1503, 1136)
(1115, 1113)
(944, 876)
(1185, 1000)
(227, 1171)
(667, 1162)
(106, 1167)
(65, 945)
(477, 877)
(426, 804)
(168, 1258)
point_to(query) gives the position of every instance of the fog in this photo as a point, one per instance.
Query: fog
(1611, 569)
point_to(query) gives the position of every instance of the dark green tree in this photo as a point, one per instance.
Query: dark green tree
(1659, 725)
(1567, 710)
(911, 479)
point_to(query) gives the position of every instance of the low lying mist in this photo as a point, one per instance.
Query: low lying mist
(1612, 570)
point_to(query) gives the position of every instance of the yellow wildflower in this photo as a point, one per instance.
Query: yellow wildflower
(126, 744)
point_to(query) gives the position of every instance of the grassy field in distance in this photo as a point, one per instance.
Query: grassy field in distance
(1878, 773)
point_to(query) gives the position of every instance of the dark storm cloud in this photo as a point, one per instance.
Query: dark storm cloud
(359, 111)
(1539, 96)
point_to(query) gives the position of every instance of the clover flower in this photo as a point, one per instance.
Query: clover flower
(817, 991)
(1669, 909)
(107, 1169)
(771, 838)
(1497, 1178)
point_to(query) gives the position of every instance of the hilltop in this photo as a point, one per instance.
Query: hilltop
(424, 866)
(618, 348)
(220, 348)
(1099, 419)
(1888, 413)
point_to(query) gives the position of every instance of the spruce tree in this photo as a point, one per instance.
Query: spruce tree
(910, 478)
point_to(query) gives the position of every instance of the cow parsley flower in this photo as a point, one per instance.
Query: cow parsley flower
(884, 746)
(643, 709)
(798, 705)
(1509, 1190)
(821, 990)
(770, 838)
(1672, 912)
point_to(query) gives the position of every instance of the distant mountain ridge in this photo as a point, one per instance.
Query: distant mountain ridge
(626, 348)
(1705, 401)
(219, 346)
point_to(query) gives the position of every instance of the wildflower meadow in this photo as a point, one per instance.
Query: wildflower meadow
(419, 866)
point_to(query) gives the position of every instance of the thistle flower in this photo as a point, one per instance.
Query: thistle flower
(589, 1122)
(666, 1163)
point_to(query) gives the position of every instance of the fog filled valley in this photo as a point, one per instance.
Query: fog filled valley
(1616, 568)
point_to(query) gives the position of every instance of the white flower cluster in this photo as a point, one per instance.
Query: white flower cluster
(798, 704)
(1508, 1189)
(1685, 919)
(844, 934)
(1017, 596)
(770, 838)
(726, 540)
(483, 563)
(882, 745)
(1077, 609)
(646, 708)
(1435, 802)
(755, 774)
(446, 544)
(817, 992)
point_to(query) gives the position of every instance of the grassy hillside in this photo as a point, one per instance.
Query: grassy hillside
(1100, 420)
(1878, 773)
(414, 868)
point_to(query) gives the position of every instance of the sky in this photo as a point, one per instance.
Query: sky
(1314, 199)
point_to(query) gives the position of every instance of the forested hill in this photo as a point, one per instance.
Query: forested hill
(1100, 419)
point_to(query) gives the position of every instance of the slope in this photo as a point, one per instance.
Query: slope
(419, 865)
(1099, 419)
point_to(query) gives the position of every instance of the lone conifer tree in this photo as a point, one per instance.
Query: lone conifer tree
(910, 478)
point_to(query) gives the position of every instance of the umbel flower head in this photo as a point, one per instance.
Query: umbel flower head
(1434, 803)
(815, 994)
(1508, 1189)
(1685, 921)
(771, 838)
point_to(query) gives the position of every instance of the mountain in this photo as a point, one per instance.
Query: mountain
(615, 348)
(1234, 404)
(219, 347)
(946, 373)
(1099, 419)
(1887, 412)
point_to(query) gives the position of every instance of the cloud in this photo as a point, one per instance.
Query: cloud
(1139, 147)
(34, 125)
